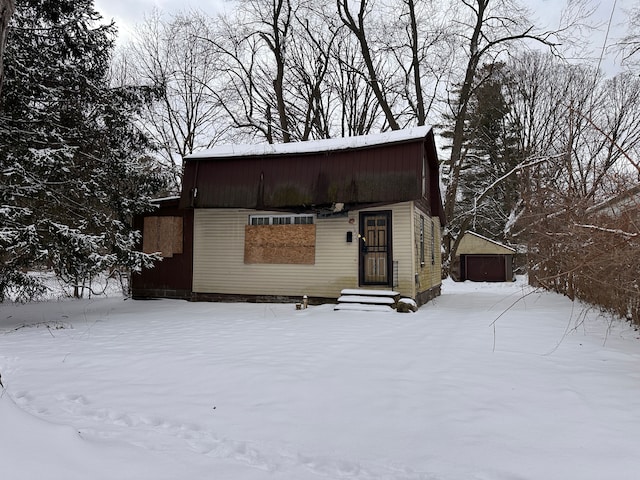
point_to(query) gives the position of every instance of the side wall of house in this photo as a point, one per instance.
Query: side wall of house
(219, 256)
(401, 245)
(171, 277)
(428, 256)
(220, 268)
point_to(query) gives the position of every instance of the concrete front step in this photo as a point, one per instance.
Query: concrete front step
(363, 307)
(367, 299)
(369, 292)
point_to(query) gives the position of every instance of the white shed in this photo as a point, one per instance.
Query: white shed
(481, 259)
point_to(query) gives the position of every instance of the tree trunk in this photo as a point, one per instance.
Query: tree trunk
(456, 160)
(277, 45)
(415, 62)
(358, 30)
(7, 8)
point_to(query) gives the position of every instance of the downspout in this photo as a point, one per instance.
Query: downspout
(260, 199)
(194, 189)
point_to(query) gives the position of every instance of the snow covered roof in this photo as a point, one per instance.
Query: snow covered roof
(312, 146)
(619, 203)
(468, 232)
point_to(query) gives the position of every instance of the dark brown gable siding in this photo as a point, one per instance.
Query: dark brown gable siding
(381, 174)
(172, 277)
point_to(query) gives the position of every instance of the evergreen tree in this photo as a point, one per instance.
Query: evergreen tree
(491, 150)
(70, 172)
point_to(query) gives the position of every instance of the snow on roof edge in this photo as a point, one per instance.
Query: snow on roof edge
(629, 196)
(165, 199)
(311, 146)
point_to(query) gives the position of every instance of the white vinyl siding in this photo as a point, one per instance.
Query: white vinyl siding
(218, 252)
(403, 246)
(219, 266)
(428, 271)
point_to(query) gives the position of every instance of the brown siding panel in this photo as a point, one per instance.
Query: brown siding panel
(171, 277)
(388, 173)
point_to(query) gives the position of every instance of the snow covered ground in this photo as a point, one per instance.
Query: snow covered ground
(480, 384)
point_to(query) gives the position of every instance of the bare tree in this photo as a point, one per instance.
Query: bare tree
(533, 95)
(254, 44)
(279, 64)
(580, 216)
(486, 28)
(7, 8)
(243, 93)
(406, 52)
(415, 62)
(593, 131)
(273, 26)
(422, 48)
(358, 26)
(630, 43)
(313, 49)
(288, 70)
(169, 54)
(356, 105)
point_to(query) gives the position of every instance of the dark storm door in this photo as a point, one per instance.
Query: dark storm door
(375, 248)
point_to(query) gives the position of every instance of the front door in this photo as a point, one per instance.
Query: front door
(375, 248)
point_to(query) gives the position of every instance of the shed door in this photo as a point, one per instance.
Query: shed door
(375, 251)
(485, 268)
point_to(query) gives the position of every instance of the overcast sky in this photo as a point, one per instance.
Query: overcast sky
(128, 13)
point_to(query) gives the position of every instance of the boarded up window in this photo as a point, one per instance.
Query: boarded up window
(280, 244)
(162, 234)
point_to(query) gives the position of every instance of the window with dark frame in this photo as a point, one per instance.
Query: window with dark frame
(293, 219)
(421, 241)
(433, 243)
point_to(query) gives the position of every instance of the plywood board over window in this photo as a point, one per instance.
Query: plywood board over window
(163, 235)
(280, 244)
